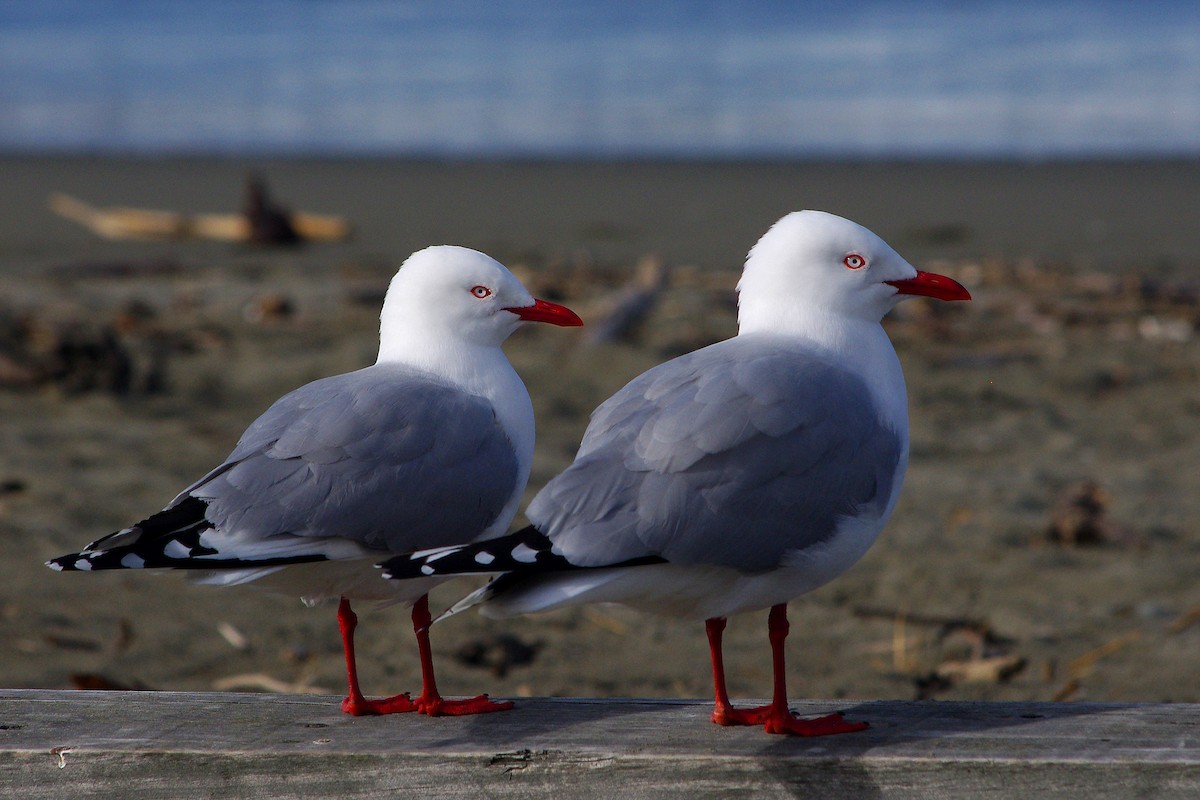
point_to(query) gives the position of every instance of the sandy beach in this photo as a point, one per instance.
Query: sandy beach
(1078, 361)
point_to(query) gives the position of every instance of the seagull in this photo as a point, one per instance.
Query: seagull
(736, 477)
(430, 446)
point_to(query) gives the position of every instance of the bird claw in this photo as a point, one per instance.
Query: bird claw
(440, 707)
(362, 707)
(788, 723)
(728, 715)
(782, 720)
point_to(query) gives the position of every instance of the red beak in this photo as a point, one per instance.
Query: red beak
(929, 284)
(545, 311)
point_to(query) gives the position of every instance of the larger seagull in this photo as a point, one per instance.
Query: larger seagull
(736, 477)
(430, 446)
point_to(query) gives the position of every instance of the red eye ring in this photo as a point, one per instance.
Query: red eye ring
(481, 291)
(854, 261)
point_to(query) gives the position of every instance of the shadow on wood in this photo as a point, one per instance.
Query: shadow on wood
(150, 745)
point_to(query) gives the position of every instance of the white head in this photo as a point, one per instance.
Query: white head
(813, 262)
(448, 295)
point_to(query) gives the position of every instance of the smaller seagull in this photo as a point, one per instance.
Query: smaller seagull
(736, 477)
(429, 447)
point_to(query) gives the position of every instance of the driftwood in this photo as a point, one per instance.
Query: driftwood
(616, 317)
(143, 224)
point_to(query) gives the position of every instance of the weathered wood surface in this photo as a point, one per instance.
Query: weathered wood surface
(56, 744)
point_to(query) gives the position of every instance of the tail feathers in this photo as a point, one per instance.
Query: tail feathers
(525, 549)
(529, 592)
(475, 598)
(170, 539)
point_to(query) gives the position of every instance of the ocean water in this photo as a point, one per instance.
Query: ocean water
(676, 78)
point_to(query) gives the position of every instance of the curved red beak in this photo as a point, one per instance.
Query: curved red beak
(545, 311)
(930, 284)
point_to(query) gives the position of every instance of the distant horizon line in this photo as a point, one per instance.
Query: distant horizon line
(584, 156)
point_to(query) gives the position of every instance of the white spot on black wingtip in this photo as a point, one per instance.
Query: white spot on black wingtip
(83, 565)
(524, 554)
(434, 552)
(54, 565)
(427, 570)
(132, 561)
(176, 549)
(483, 557)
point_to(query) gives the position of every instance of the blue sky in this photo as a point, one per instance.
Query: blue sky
(596, 78)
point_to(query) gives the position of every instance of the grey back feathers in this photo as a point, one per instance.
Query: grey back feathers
(733, 455)
(384, 456)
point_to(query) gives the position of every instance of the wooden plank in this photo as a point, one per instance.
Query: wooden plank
(56, 744)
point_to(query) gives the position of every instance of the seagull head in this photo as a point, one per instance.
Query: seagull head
(455, 294)
(811, 262)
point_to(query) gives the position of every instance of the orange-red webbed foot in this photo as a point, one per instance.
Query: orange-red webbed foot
(440, 707)
(362, 707)
(788, 723)
(728, 715)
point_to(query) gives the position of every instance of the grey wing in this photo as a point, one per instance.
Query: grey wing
(383, 457)
(733, 455)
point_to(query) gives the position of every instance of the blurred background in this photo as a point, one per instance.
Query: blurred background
(592, 79)
(201, 206)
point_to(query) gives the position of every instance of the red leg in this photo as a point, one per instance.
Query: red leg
(431, 702)
(355, 704)
(776, 717)
(723, 711)
(779, 718)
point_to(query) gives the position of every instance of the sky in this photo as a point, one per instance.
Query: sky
(602, 78)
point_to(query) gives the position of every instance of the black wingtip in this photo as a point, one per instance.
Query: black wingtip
(518, 550)
(523, 553)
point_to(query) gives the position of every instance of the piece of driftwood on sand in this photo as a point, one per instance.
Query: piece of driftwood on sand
(144, 224)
